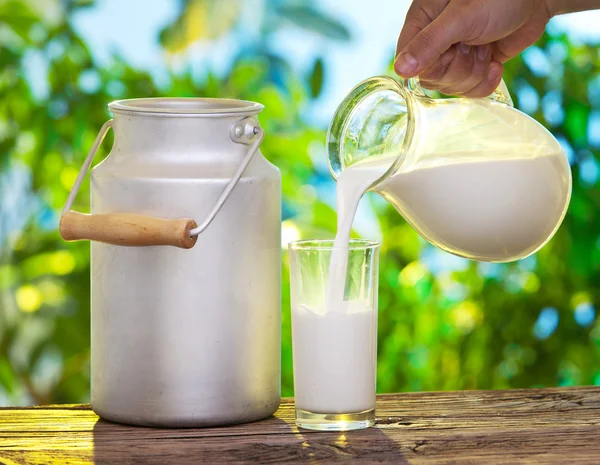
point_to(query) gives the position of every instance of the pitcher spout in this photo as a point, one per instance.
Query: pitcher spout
(377, 118)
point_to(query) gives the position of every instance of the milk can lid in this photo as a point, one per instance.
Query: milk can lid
(185, 106)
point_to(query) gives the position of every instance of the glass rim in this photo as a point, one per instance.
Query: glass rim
(328, 244)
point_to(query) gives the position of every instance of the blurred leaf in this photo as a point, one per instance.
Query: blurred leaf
(247, 75)
(7, 376)
(18, 16)
(198, 20)
(316, 78)
(576, 122)
(311, 19)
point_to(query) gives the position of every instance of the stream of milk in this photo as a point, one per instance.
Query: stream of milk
(351, 186)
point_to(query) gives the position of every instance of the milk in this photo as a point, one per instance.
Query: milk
(335, 358)
(351, 186)
(495, 209)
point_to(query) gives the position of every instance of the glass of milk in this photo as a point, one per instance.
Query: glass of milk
(334, 333)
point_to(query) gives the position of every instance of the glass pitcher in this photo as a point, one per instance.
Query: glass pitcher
(475, 177)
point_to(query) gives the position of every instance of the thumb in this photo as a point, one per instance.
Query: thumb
(431, 43)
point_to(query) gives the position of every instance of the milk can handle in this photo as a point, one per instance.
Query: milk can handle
(241, 133)
(129, 229)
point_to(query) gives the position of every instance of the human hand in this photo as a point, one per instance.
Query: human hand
(459, 46)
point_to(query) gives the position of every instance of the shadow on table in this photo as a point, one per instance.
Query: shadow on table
(370, 444)
(273, 440)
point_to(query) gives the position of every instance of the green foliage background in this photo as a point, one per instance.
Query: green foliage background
(444, 324)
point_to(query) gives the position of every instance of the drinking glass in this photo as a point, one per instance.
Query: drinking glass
(334, 333)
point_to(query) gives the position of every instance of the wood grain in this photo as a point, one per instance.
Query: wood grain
(549, 426)
(127, 229)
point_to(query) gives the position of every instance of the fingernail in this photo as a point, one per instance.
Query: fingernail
(464, 48)
(447, 58)
(482, 53)
(406, 63)
(494, 73)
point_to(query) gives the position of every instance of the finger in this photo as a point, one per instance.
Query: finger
(476, 75)
(433, 74)
(416, 20)
(418, 17)
(458, 71)
(490, 84)
(429, 44)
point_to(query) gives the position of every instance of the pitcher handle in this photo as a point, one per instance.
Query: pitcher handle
(501, 94)
(128, 229)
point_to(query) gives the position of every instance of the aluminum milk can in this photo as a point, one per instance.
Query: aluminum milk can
(186, 316)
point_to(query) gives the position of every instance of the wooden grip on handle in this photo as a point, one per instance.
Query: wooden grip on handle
(127, 229)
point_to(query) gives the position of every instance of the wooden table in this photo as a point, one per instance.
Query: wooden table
(479, 427)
